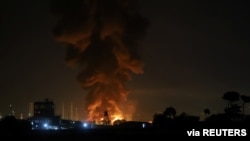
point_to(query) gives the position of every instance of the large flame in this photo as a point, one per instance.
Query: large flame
(107, 93)
(101, 36)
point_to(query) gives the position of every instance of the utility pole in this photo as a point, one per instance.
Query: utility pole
(31, 109)
(76, 116)
(63, 111)
(71, 111)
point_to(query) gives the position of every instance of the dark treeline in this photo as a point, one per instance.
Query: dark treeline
(166, 123)
(233, 117)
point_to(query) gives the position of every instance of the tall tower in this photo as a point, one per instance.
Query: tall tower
(12, 112)
(45, 109)
(106, 120)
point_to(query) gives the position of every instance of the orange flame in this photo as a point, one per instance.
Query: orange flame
(101, 37)
(100, 105)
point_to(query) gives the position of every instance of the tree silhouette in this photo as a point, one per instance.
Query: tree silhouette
(233, 109)
(231, 96)
(245, 99)
(170, 112)
(206, 111)
(158, 120)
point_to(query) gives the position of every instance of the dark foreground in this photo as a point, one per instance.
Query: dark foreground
(101, 134)
(90, 135)
(110, 134)
(12, 129)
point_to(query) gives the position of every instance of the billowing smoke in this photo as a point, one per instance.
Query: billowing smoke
(101, 38)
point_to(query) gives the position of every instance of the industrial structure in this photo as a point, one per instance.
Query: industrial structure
(106, 120)
(44, 116)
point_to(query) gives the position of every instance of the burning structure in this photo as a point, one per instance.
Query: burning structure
(101, 39)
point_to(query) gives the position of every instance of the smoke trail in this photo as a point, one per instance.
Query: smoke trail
(101, 38)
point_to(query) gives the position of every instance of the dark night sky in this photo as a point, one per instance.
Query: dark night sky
(194, 51)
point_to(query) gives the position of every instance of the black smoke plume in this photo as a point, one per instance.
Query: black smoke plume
(101, 37)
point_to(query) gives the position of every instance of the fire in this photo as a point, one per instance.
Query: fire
(116, 117)
(101, 38)
(109, 121)
(104, 112)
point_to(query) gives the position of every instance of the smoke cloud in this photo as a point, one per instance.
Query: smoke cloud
(101, 37)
